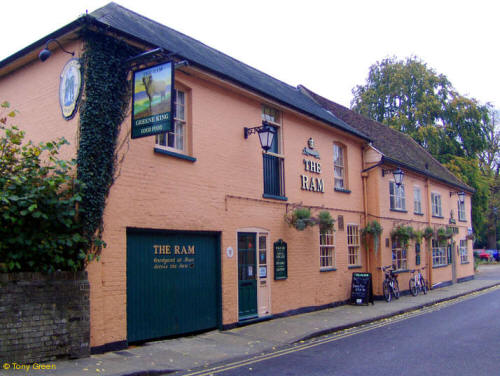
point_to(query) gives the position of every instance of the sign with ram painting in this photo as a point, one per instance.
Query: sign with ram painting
(153, 100)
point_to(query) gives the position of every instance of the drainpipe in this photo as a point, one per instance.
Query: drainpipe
(364, 176)
(429, 242)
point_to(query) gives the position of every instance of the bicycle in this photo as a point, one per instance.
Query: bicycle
(418, 282)
(390, 286)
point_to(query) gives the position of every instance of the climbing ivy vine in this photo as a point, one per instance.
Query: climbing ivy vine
(104, 107)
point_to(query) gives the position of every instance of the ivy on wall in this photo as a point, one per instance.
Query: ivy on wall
(104, 107)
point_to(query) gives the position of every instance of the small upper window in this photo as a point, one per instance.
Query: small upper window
(273, 161)
(461, 211)
(175, 139)
(271, 115)
(417, 200)
(397, 196)
(339, 166)
(437, 211)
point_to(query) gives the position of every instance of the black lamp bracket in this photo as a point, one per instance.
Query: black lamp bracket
(386, 171)
(60, 46)
(248, 131)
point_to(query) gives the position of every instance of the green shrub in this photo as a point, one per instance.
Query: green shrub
(39, 227)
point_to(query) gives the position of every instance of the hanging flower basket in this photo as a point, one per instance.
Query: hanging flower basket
(428, 232)
(300, 218)
(443, 234)
(374, 229)
(418, 235)
(325, 221)
(402, 234)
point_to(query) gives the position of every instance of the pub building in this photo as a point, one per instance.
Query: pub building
(225, 216)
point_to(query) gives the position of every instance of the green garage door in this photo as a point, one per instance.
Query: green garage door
(172, 283)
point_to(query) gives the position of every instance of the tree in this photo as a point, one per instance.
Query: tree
(39, 224)
(412, 98)
(489, 160)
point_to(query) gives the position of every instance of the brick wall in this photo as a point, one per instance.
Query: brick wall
(44, 317)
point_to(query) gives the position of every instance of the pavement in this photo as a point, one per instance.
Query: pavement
(215, 347)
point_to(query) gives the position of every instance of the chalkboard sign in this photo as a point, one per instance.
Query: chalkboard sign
(361, 288)
(280, 260)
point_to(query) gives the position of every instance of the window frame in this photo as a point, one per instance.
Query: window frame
(274, 117)
(394, 193)
(343, 167)
(327, 251)
(461, 211)
(437, 210)
(179, 122)
(353, 245)
(417, 203)
(399, 256)
(463, 251)
(439, 254)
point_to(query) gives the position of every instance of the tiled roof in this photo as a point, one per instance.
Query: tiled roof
(395, 146)
(201, 55)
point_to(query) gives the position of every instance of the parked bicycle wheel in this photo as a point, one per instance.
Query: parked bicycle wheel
(413, 287)
(395, 288)
(424, 286)
(387, 291)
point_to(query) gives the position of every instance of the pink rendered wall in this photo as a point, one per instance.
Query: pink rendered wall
(221, 191)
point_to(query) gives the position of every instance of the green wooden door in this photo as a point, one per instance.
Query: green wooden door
(173, 283)
(247, 276)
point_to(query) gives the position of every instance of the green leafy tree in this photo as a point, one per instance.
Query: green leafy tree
(39, 226)
(414, 99)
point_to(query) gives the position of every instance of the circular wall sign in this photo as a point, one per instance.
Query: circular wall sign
(70, 88)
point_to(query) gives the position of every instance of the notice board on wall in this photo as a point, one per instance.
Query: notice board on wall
(362, 288)
(280, 260)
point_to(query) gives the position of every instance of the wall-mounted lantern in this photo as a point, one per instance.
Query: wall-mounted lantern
(45, 53)
(461, 196)
(266, 134)
(397, 173)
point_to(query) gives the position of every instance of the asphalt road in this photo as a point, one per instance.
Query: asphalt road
(453, 338)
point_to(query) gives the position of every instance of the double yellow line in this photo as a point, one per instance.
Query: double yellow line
(303, 345)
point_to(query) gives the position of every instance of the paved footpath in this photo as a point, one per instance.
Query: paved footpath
(203, 350)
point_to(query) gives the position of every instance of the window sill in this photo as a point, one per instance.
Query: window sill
(462, 220)
(465, 262)
(401, 271)
(437, 216)
(440, 266)
(342, 190)
(175, 155)
(354, 266)
(399, 210)
(421, 214)
(272, 197)
(328, 270)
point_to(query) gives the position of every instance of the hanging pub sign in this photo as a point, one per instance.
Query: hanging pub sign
(70, 88)
(153, 100)
(280, 260)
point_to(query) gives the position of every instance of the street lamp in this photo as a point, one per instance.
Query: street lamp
(45, 53)
(266, 134)
(397, 173)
